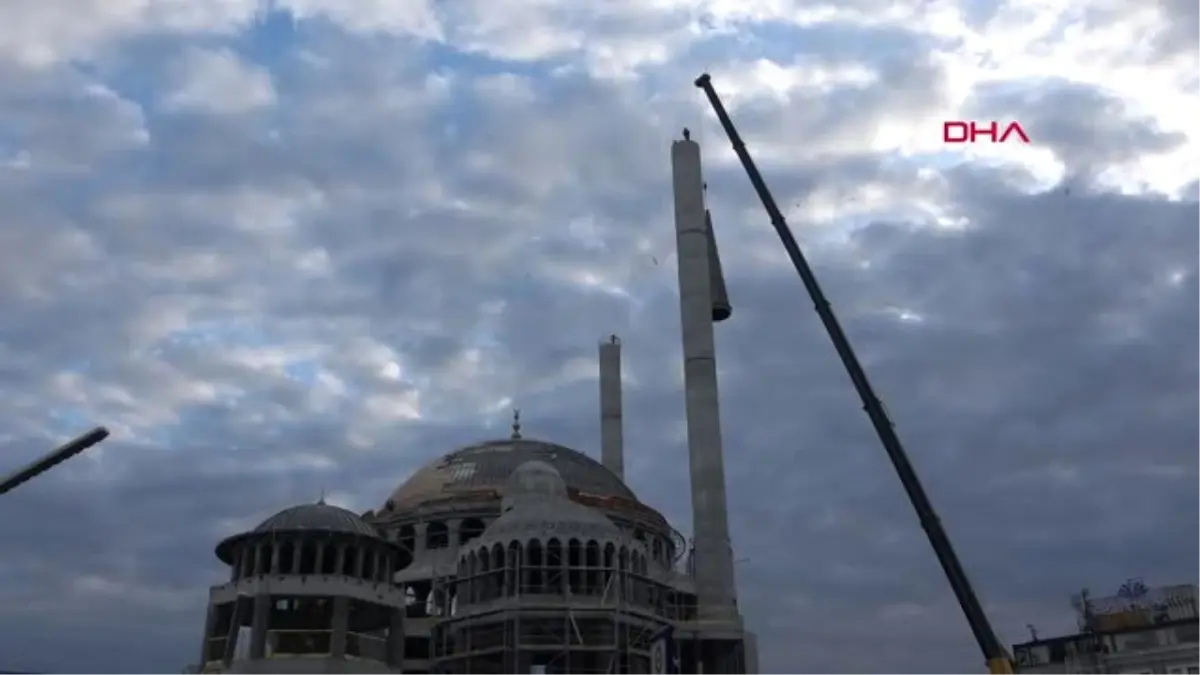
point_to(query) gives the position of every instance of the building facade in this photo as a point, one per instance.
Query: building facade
(1138, 630)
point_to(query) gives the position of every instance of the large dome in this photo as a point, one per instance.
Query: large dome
(487, 466)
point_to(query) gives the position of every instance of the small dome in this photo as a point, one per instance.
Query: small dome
(319, 517)
(533, 479)
(536, 506)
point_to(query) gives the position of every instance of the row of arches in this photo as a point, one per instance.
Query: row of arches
(574, 567)
(303, 555)
(439, 534)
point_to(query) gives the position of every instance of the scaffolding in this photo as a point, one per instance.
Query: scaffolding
(577, 607)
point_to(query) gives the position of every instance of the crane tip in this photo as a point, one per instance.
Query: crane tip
(94, 435)
(703, 80)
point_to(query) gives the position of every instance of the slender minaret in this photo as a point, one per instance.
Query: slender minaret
(714, 555)
(612, 435)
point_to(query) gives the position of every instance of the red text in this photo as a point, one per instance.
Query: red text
(967, 131)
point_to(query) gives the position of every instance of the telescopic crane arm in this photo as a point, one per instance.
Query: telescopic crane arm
(997, 657)
(53, 458)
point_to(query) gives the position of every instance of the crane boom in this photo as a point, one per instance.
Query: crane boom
(997, 657)
(53, 458)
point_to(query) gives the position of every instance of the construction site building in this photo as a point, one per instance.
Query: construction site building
(513, 555)
(1137, 630)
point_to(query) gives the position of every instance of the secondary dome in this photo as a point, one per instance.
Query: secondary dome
(536, 507)
(487, 466)
(534, 480)
(319, 516)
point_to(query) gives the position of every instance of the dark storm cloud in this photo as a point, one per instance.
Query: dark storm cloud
(425, 236)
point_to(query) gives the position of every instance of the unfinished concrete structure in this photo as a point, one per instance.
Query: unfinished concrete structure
(519, 555)
(546, 515)
(309, 591)
(612, 429)
(551, 586)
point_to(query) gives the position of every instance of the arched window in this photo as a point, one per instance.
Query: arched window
(470, 529)
(471, 585)
(534, 570)
(437, 535)
(368, 567)
(592, 575)
(328, 554)
(498, 588)
(287, 557)
(610, 562)
(554, 566)
(575, 578)
(350, 562)
(308, 558)
(513, 568)
(248, 555)
(263, 564)
(406, 539)
(482, 592)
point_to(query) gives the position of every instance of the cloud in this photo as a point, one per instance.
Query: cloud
(282, 249)
(218, 82)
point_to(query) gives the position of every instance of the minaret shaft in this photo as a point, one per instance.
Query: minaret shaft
(716, 594)
(612, 433)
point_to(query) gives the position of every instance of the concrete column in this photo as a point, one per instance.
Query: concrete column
(341, 559)
(395, 638)
(714, 556)
(453, 528)
(360, 560)
(259, 627)
(612, 434)
(419, 532)
(274, 569)
(320, 558)
(341, 622)
(210, 625)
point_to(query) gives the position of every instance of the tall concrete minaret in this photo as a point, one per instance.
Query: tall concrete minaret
(701, 302)
(612, 434)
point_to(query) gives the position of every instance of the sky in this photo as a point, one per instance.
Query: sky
(302, 247)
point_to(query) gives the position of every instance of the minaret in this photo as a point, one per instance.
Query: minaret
(698, 303)
(612, 434)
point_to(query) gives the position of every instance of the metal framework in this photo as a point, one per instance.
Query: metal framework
(576, 609)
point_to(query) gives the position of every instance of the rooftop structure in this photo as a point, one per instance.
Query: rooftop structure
(1137, 630)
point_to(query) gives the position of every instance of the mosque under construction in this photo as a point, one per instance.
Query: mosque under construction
(513, 555)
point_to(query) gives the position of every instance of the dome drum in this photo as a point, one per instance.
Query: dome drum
(311, 539)
(312, 584)
(572, 569)
(545, 543)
